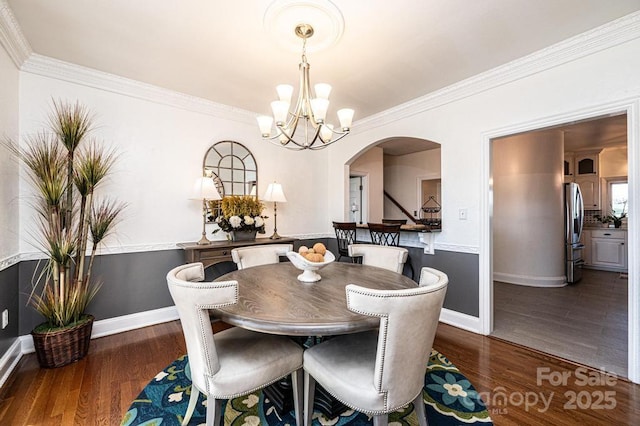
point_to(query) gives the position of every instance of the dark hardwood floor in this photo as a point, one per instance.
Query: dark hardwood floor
(516, 383)
(585, 322)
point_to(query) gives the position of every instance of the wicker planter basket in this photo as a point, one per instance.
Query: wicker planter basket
(62, 347)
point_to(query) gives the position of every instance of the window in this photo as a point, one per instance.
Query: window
(618, 196)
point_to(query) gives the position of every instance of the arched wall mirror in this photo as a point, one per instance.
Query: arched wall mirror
(233, 168)
(408, 170)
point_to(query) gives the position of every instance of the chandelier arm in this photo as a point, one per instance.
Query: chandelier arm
(326, 144)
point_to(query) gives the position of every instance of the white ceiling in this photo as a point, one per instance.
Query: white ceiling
(390, 52)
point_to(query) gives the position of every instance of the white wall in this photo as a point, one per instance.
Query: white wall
(401, 179)
(528, 209)
(161, 151)
(613, 162)
(9, 206)
(463, 121)
(371, 164)
(460, 125)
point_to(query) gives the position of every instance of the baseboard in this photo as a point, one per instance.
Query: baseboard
(9, 361)
(460, 320)
(117, 325)
(530, 281)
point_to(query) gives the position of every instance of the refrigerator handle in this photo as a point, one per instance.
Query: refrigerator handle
(567, 225)
(581, 211)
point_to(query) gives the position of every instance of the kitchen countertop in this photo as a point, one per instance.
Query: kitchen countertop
(408, 228)
(603, 227)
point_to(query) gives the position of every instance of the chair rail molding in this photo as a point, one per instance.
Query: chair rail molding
(9, 262)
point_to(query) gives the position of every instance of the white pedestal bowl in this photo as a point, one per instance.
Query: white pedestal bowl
(309, 275)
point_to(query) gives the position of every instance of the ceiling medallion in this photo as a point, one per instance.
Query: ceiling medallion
(322, 15)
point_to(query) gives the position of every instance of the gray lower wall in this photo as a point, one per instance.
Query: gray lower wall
(463, 292)
(132, 282)
(9, 301)
(135, 282)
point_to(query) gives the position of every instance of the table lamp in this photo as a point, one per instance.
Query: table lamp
(274, 193)
(205, 189)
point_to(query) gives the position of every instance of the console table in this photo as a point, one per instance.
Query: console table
(220, 251)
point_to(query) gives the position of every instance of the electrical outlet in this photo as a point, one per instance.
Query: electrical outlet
(5, 318)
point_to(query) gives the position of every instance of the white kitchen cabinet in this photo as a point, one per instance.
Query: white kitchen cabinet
(609, 249)
(586, 251)
(590, 188)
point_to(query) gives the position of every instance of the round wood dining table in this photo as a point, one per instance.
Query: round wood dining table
(272, 300)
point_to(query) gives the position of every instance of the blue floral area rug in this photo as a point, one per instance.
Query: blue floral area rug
(449, 397)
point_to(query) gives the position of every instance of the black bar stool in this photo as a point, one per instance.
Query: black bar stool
(387, 234)
(346, 235)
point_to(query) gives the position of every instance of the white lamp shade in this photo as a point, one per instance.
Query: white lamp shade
(275, 193)
(205, 189)
(319, 107)
(264, 123)
(326, 132)
(280, 110)
(285, 91)
(345, 116)
(323, 90)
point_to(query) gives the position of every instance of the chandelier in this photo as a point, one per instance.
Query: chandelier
(304, 127)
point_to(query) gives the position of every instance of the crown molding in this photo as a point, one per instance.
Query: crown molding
(54, 68)
(603, 37)
(11, 37)
(600, 38)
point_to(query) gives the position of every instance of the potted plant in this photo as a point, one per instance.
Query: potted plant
(613, 217)
(241, 216)
(65, 169)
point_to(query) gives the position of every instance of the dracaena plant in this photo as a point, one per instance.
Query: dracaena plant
(65, 167)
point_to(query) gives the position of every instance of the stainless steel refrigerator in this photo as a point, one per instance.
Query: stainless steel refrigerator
(574, 220)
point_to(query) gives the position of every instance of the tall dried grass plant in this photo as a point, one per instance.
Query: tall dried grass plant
(66, 167)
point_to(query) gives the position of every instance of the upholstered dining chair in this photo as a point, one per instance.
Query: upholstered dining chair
(246, 257)
(388, 257)
(377, 372)
(388, 234)
(233, 362)
(432, 277)
(345, 235)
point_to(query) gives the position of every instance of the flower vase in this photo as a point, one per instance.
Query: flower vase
(244, 235)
